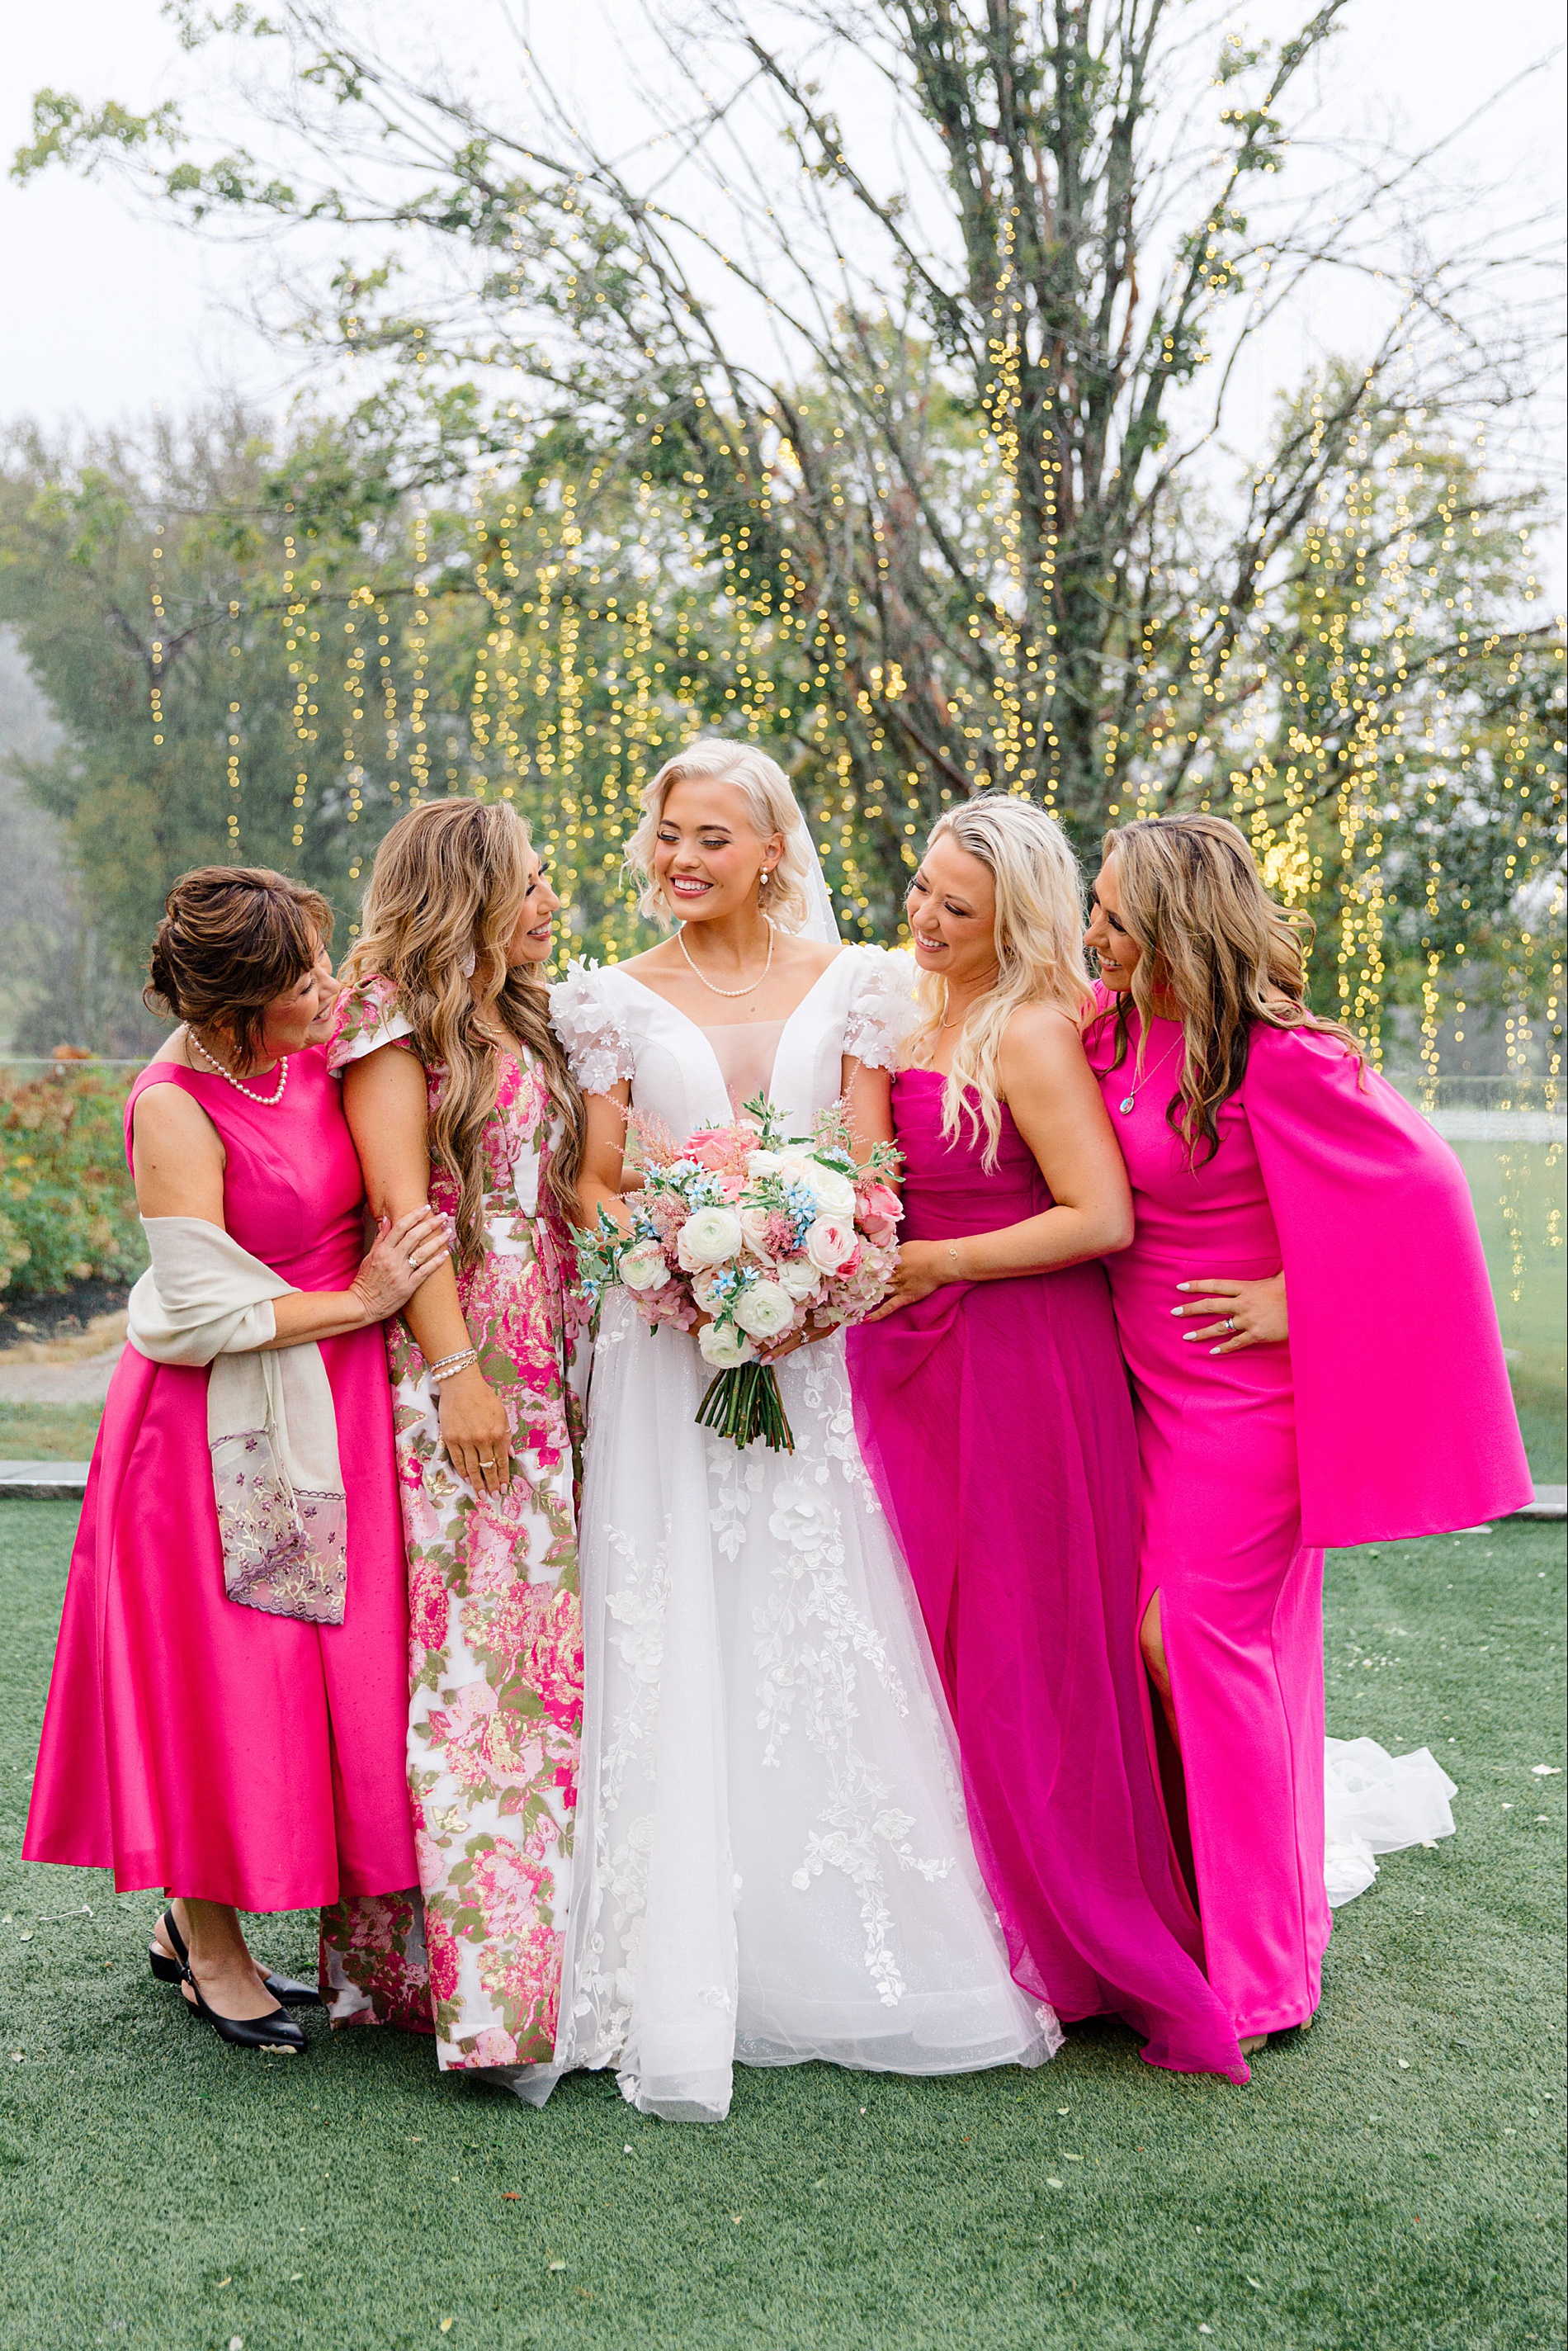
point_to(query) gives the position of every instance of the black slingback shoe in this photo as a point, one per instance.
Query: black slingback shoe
(283, 1988)
(276, 2032)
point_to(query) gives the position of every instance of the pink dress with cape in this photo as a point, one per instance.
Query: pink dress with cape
(996, 1422)
(1386, 1414)
(189, 1742)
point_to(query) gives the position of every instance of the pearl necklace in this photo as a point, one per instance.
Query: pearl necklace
(751, 986)
(267, 1101)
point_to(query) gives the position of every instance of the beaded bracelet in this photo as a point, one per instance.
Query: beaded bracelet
(449, 1365)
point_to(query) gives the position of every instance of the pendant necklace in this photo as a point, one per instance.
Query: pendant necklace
(1129, 1104)
(267, 1101)
(751, 986)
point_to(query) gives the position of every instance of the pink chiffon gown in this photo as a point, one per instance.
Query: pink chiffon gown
(996, 1422)
(189, 1742)
(1388, 1413)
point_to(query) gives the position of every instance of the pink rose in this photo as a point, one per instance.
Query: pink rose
(428, 1607)
(831, 1244)
(880, 1205)
(710, 1147)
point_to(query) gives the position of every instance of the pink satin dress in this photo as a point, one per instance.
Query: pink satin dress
(996, 1421)
(192, 1743)
(1387, 1414)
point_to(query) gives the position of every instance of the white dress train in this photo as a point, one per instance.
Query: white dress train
(771, 1859)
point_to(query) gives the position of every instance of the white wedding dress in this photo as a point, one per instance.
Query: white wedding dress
(772, 1861)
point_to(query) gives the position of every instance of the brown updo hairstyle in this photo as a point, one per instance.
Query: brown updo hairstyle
(233, 939)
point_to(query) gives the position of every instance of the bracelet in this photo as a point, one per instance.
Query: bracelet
(449, 1365)
(953, 1258)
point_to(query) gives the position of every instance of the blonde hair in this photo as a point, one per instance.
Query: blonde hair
(1212, 939)
(1038, 947)
(447, 890)
(772, 807)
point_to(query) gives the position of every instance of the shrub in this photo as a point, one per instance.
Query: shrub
(68, 1210)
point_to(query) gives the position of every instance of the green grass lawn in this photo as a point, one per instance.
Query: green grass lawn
(48, 1432)
(1392, 2178)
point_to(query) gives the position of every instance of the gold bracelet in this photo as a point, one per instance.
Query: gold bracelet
(953, 1252)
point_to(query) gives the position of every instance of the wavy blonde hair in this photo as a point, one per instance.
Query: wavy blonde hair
(1039, 939)
(773, 809)
(447, 890)
(1212, 939)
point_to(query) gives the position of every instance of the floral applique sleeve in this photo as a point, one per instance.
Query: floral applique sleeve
(884, 1011)
(367, 1019)
(597, 1044)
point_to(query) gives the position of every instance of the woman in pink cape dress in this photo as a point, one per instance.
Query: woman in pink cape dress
(993, 1410)
(240, 1761)
(1380, 1408)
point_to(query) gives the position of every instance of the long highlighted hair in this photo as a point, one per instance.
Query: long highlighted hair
(1214, 942)
(447, 890)
(1039, 948)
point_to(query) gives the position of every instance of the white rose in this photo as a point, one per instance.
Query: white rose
(831, 1190)
(723, 1347)
(793, 1168)
(764, 1310)
(799, 1278)
(762, 1163)
(709, 1237)
(645, 1267)
(830, 1243)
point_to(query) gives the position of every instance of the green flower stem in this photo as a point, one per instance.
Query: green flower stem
(743, 1403)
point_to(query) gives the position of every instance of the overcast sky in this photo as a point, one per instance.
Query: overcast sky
(111, 312)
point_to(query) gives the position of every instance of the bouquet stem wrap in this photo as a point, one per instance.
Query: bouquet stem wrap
(743, 1403)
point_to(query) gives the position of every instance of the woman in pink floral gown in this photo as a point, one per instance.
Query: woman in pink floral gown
(457, 919)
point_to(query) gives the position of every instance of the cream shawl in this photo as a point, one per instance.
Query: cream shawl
(272, 1427)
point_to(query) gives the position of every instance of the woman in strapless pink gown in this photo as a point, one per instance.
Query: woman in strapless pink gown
(239, 1759)
(1266, 1158)
(992, 1410)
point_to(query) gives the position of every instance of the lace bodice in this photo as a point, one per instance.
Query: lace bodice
(613, 1027)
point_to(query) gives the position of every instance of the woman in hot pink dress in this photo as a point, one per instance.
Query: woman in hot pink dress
(992, 1410)
(242, 1760)
(1268, 1160)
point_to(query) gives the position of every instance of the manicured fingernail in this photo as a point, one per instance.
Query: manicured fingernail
(1184, 1285)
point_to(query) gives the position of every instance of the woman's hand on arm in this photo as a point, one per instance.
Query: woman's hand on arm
(387, 1103)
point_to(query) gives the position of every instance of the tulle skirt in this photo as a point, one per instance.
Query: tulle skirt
(771, 1859)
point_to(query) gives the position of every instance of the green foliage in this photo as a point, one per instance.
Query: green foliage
(68, 1212)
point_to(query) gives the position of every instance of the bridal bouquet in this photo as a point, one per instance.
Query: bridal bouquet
(746, 1236)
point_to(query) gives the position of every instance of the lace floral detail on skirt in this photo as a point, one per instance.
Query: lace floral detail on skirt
(602, 2007)
(285, 1551)
(812, 1645)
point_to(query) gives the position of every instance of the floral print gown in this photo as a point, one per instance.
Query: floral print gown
(495, 1649)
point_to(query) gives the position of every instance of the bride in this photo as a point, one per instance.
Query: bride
(772, 1860)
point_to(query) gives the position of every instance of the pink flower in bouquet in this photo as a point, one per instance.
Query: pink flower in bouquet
(712, 1147)
(879, 1205)
(832, 1243)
